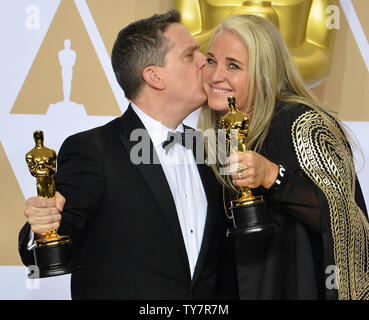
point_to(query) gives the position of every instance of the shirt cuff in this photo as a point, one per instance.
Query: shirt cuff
(31, 238)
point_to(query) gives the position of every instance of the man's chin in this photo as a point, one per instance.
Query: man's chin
(204, 101)
(201, 102)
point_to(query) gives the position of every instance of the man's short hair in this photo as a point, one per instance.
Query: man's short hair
(139, 45)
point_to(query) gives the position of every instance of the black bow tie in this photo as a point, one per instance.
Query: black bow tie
(182, 138)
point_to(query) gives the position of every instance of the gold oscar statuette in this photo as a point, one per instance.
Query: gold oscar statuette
(52, 252)
(249, 212)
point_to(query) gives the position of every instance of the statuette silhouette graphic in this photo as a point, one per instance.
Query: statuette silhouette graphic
(67, 59)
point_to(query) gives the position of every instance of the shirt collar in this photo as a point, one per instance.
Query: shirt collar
(157, 131)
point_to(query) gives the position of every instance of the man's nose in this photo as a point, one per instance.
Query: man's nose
(201, 59)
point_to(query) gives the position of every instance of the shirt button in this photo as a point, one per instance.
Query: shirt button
(191, 230)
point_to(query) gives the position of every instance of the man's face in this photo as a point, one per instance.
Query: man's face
(182, 68)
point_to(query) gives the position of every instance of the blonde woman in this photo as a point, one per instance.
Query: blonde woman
(300, 159)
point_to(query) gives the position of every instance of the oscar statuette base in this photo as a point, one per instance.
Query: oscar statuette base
(250, 218)
(54, 259)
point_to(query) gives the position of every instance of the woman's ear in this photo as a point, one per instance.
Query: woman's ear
(153, 76)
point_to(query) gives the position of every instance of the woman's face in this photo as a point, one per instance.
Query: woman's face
(225, 73)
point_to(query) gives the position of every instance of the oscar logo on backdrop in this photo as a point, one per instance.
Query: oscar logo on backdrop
(67, 59)
(72, 66)
(68, 86)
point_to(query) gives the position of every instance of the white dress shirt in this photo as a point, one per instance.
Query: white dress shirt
(184, 180)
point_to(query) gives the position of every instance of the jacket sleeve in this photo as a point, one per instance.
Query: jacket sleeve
(79, 178)
(298, 197)
(23, 239)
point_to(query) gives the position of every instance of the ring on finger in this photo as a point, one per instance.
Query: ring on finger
(240, 175)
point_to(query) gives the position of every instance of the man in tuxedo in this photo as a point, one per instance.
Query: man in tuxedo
(141, 231)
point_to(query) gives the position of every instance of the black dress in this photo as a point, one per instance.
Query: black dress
(321, 249)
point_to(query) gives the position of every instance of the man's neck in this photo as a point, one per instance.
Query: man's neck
(162, 112)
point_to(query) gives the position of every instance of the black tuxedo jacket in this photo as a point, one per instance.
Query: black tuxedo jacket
(124, 226)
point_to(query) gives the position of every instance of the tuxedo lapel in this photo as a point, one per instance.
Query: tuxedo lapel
(155, 179)
(211, 217)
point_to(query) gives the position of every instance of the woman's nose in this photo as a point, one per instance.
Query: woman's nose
(217, 74)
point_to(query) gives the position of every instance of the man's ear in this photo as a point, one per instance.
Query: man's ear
(153, 76)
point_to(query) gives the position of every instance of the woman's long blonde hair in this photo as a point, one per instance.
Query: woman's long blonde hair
(273, 76)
